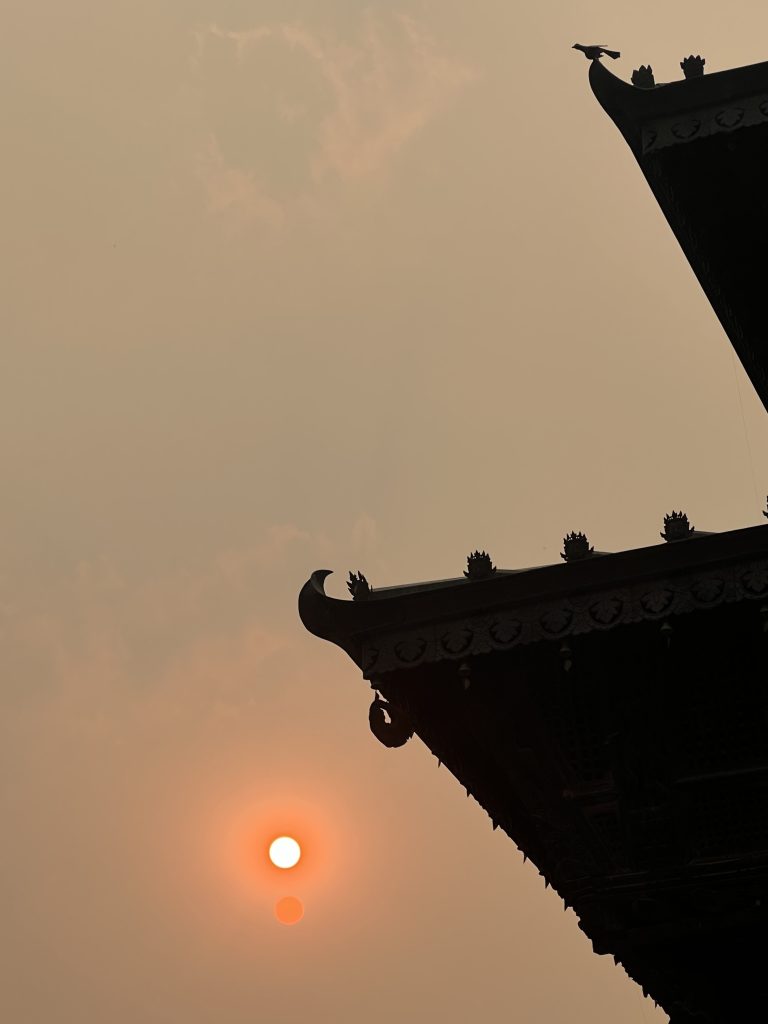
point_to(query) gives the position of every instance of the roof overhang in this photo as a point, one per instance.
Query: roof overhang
(702, 144)
(402, 628)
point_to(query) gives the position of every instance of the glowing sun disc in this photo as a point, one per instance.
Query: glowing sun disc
(284, 852)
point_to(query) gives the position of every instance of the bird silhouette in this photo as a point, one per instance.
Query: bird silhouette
(595, 52)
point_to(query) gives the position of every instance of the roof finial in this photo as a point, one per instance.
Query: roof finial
(595, 51)
(358, 586)
(693, 67)
(480, 566)
(643, 77)
(575, 547)
(676, 527)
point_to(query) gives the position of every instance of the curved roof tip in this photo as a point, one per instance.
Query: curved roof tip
(318, 578)
(627, 105)
(633, 106)
(312, 602)
(328, 617)
(606, 86)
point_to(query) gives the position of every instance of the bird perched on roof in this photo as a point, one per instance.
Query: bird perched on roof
(595, 52)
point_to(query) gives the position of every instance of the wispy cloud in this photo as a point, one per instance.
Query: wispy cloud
(102, 634)
(362, 103)
(235, 189)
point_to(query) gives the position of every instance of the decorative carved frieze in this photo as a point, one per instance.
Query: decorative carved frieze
(502, 629)
(748, 111)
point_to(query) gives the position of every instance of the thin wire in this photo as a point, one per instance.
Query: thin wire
(758, 502)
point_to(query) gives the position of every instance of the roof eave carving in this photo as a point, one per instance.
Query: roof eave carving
(697, 107)
(415, 627)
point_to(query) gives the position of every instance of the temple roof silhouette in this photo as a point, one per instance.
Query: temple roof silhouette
(702, 144)
(609, 712)
(401, 627)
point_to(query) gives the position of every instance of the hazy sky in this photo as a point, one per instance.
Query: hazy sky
(290, 285)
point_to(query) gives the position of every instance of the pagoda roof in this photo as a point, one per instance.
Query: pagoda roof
(702, 144)
(630, 764)
(396, 628)
(636, 110)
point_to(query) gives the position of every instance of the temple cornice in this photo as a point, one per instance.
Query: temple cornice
(677, 112)
(405, 627)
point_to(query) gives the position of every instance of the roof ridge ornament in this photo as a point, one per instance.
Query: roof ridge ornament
(479, 566)
(643, 78)
(575, 547)
(693, 67)
(358, 586)
(676, 527)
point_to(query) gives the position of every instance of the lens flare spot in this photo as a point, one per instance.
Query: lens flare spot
(289, 910)
(284, 852)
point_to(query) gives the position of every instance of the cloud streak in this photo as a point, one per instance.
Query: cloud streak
(380, 92)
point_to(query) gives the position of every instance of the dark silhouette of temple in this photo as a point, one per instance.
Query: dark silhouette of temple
(610, 712)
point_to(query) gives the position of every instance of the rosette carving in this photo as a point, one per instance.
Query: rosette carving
(456, 641)
(505, 631)
(410, 650)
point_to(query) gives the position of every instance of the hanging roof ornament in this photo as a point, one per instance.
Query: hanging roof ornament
(389, 724)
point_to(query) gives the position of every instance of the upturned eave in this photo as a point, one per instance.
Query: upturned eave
(511, 608)
(702, 144)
